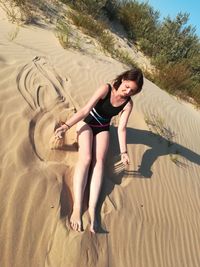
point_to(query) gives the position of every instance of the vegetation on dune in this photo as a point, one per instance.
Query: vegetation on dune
(157, 126)
(99, 30)
(17, 10)
(172, 44)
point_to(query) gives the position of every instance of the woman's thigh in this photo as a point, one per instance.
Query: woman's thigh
(100, 145)
(85, 140)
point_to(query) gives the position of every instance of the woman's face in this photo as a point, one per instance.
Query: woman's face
(127, 88)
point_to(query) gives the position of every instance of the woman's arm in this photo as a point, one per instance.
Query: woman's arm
(82, 113)
(122, 131)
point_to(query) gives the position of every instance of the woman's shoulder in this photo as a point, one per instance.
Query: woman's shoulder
(105, 90)
(129, 104)
(109, 86)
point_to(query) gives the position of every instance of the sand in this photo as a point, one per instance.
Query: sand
(148, 212)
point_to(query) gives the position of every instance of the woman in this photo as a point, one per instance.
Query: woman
(93, 138)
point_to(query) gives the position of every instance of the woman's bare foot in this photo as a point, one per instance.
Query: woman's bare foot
(93, 221)
(75, 221)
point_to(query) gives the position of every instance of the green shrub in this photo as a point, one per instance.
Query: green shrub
(174, 77)
(195, 94)
(139, 19)
(124, 57)
(63, 33)
(107, 42)
(111, 7)
(16, 10)
(93, 28)
(89, 7)
(88, 24)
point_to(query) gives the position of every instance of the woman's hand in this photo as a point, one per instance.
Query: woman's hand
(60, 132)
(57, 141)
(125, 158)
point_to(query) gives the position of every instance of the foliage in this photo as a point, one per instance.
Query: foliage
(107, 41)
(111, 8)
(157, 125)
(175, 40)
(139, 19)
(195, 94)
(18, 11)
(174, 77)
(88, 24)
(124, 57)
(63, 33)
(91, 7)
(97, 29)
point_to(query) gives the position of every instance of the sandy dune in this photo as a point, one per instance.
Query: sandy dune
(149, 212)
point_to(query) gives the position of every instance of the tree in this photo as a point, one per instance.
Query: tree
(175, 40)
(139, 19)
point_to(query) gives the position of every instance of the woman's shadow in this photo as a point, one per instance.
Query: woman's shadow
(158, 146)
(114, 170)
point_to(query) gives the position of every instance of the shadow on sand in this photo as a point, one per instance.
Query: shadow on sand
(158, 146)
(113, 174)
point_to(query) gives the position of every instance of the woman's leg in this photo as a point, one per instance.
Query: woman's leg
(100, 146)
(85, 140)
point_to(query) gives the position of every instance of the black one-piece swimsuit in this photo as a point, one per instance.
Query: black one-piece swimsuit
(100, 116)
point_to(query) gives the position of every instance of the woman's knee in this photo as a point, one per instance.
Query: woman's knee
(85, 159)
(99, 161)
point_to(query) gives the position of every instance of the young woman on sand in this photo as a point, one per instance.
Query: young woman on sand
(93, 122)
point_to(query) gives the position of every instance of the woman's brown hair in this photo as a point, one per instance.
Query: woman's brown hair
(134, 74)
